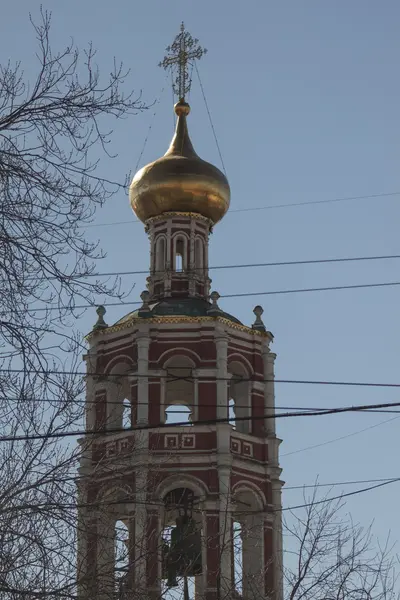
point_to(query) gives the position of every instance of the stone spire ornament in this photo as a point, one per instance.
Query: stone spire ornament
(100, 323)
(214, 309)
(145, 310)
(258, 323)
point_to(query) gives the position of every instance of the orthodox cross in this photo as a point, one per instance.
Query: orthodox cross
(182, 52)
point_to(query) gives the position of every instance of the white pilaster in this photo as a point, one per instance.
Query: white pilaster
(277, 538)
(225, 529)
(140, 529)
(269, 389)
(143, 344)
(221, 344)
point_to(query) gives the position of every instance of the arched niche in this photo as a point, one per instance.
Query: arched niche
(248, 542)
(179, 386)
(180, 245)
(182, 542)
(239, 397)
(199, 254)
(119, 406)
(113, 520)
(160, 254)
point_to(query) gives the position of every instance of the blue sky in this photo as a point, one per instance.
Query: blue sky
(304, 97)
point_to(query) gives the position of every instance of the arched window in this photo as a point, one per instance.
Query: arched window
(126, 414)
(248, 544)
(179, 398)
(188, 567)
(239, 398)
(231, 413)
(118, 389)
(121, 563)
(178, 413)
(199, 254)
(237, 551)
(160, 254)
(180, 254)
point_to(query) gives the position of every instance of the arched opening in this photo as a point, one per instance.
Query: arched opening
(126, 414)
(179, 399)
(180, 254)
(160, 255)
(117, 393)
(121, 556)
(248, 544)
(231, 413)
(182, 560)
(237, 552)
(178, 413)
(199, 254)
(239, 405)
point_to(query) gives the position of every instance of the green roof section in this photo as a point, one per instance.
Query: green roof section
(177, 307)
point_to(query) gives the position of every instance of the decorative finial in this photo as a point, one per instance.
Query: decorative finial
(258, 323)
(100, 324)
(145, 310)
(214, 309)
(182, 52)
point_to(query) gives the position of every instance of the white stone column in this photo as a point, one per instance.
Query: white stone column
(143, 344)
(83, 520)
(140, 530)
(224, 465)
(277, 537)
(192, 264)
(221, 344)
(113, 387)
(141, 453)
(105, 555)
(225, 528)
(253, 556)
(269, 388)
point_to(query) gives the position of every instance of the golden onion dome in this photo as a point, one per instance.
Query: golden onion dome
(180, 181)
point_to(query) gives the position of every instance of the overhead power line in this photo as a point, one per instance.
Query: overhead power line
(241, 266)
(147, 427)
(203, 378)
(272, 207)
(237, 295)
(132, 499)
(340, 497)
(337, 483)
(337, 439)
(210, 118)
(209, 404)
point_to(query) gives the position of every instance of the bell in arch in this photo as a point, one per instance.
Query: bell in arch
(182, 556)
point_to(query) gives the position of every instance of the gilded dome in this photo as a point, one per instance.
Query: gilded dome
(180, 181)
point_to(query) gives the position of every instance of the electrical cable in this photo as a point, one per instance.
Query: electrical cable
(201, 379)
(210, 118)
(238, 266)
(337, 483)
(147, 427)
(74, 505)
(82, 401)
(342, 437)
(269, 207)
(347, 495)
(237, 295)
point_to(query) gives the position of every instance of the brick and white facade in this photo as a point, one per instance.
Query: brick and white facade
(181, 349)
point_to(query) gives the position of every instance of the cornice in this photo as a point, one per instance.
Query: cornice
(175, 320)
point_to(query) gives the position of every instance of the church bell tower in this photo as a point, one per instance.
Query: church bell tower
(179, 483)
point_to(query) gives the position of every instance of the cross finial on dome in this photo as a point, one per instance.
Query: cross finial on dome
(182, 52)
